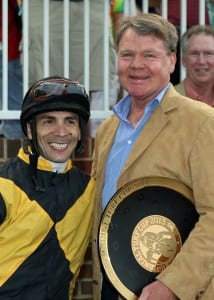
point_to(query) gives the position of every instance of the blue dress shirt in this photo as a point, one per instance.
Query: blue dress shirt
(124, 140)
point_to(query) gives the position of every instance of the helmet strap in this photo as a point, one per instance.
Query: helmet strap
(33, 155)
(33, 141)
(33, 169)
(27, 146)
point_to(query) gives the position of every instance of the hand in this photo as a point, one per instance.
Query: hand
(157, 291)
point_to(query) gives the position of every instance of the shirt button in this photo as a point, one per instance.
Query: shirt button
(129, 142)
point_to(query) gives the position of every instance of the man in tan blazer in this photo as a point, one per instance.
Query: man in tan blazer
(155, 131)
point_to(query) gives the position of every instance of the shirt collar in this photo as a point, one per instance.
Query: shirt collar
(122, 108)
(46, 165)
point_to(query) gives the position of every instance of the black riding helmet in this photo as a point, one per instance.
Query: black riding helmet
(52, 94)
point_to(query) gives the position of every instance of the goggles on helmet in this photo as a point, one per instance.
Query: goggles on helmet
(55, 87)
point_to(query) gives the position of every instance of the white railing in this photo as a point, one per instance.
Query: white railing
(129, 9)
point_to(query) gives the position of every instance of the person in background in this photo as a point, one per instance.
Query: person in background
(197, 45)
(174, 16)
(76, 48)
(116, 13)
(192, 9)
(154, 6)
(12, 128)
(210, 9)
(156, 132)
(46, 203)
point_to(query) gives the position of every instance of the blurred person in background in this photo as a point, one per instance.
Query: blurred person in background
(210, 8)
(12, 128)
(76, 47)
(197, 46)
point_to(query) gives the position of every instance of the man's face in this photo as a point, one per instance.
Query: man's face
(58, 133)
(144, 65)
(199, 59)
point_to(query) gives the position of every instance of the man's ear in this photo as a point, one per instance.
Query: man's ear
(173, 59)
(29, 133)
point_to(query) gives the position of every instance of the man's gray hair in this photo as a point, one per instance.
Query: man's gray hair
(195, 30)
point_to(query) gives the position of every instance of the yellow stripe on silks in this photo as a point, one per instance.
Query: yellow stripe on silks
(74, 230)
(24, 228)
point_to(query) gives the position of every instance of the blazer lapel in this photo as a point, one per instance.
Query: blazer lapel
(154, 126)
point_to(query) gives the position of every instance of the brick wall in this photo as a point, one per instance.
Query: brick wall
(9, 149)
(84, 284)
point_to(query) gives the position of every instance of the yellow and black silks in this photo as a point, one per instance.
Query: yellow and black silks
(43, 234)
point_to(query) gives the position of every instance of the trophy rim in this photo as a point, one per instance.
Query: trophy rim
(122, 193)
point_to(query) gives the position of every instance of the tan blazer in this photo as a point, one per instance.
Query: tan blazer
(178, 143)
